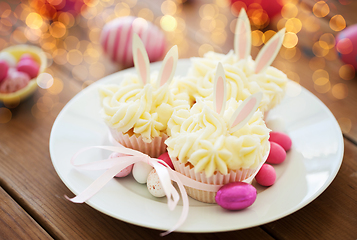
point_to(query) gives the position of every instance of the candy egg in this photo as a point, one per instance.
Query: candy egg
(282, 139)
(9, 58)
(4, 67)
(277, 154)
(26, 56)
(14, 81)
(236, 195)
(166, 158)
(266, 175)
(28, 66)
(141, 172)
(126, 171)
(346, 45)
(154, 185)
(116, 39)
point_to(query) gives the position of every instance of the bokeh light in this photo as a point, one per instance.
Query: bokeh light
(5, 115)
(340, 91)
(347, 72)
(290, 40)
(168, 23)
(44, 80)
(321, 9)
(337, 23)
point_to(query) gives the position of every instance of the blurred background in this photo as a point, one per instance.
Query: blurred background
(70, 32)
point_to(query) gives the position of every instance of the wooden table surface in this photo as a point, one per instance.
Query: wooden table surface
(32, 203)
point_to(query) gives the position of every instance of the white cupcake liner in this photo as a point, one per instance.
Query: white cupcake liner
(216, 179)
(154, 149)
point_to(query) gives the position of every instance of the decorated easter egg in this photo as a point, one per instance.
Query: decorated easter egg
(154, 185)
(126, 171)
(9, 58)
(116, 39)
(272, 7)
(282, 139)
(166, 158)
(141, 172)
(346, 45)
(52, 9)
(266, 175)
(277, 154)
(28, 66)
(4, 67)
(236, 195)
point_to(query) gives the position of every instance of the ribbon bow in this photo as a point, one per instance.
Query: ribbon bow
(114, 165)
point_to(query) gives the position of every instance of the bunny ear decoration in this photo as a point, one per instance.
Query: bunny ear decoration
(220, 90)
(141, 59)
(168, 67)
(242, 38)
(245, 111)
(268, 53)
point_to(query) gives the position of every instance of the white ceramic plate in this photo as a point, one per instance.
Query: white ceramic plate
(311, 165)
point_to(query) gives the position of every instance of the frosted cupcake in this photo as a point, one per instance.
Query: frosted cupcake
(137, 110)
(219, 141)
(271, 81)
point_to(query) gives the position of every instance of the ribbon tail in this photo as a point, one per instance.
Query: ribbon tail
(92, 189)
(185, 206)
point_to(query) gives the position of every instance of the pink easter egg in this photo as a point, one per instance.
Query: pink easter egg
(266, 175)
(166, 158)
(277, 154)
(28, 66)
(346, 45)
(14, 81)
(126, 171)
(116, 39)
(26, 56)
(154, 185)
(236, 196)
(282, 139)
(4, 67)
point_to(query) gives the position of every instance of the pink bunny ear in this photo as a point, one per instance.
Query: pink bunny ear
(220, 90)
(141, 59)
(268, 53)
(242, 37)
(245, 111)
(168, 67)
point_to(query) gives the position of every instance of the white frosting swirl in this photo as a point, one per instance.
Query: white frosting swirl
(143, 109)
(201, 137)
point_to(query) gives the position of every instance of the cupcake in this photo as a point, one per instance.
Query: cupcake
(137, 110)
(219, 141)
(270, 80)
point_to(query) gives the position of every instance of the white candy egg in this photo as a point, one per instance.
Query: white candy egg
(141, 172)
(154, 185)
(7, 57)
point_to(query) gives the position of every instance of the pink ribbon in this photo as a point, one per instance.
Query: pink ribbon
(114, 165)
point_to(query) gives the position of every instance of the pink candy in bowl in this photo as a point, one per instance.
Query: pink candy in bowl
(19, 67)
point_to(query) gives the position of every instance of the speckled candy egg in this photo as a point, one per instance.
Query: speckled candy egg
(116, 39)
(154, 185)
(236, 195)
(346, 45)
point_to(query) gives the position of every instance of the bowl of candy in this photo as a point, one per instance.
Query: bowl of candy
(20, 65)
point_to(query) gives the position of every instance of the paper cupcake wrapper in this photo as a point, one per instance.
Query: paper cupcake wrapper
(216, 179)
(154, 149)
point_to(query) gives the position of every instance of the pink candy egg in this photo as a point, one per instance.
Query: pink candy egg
(282, 139)
(4, 67)
(26, 56)
(166, 158)
(154, 185)
(126, 171)
(14, 81)
(116, 39)
(277, 154)
(266, 175)
(346, 45)
(28, 66)
(236, 195)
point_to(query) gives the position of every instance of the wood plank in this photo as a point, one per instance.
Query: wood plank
(16, 223)
(333, 215)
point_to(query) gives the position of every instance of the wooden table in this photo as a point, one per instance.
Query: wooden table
(32, 203)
